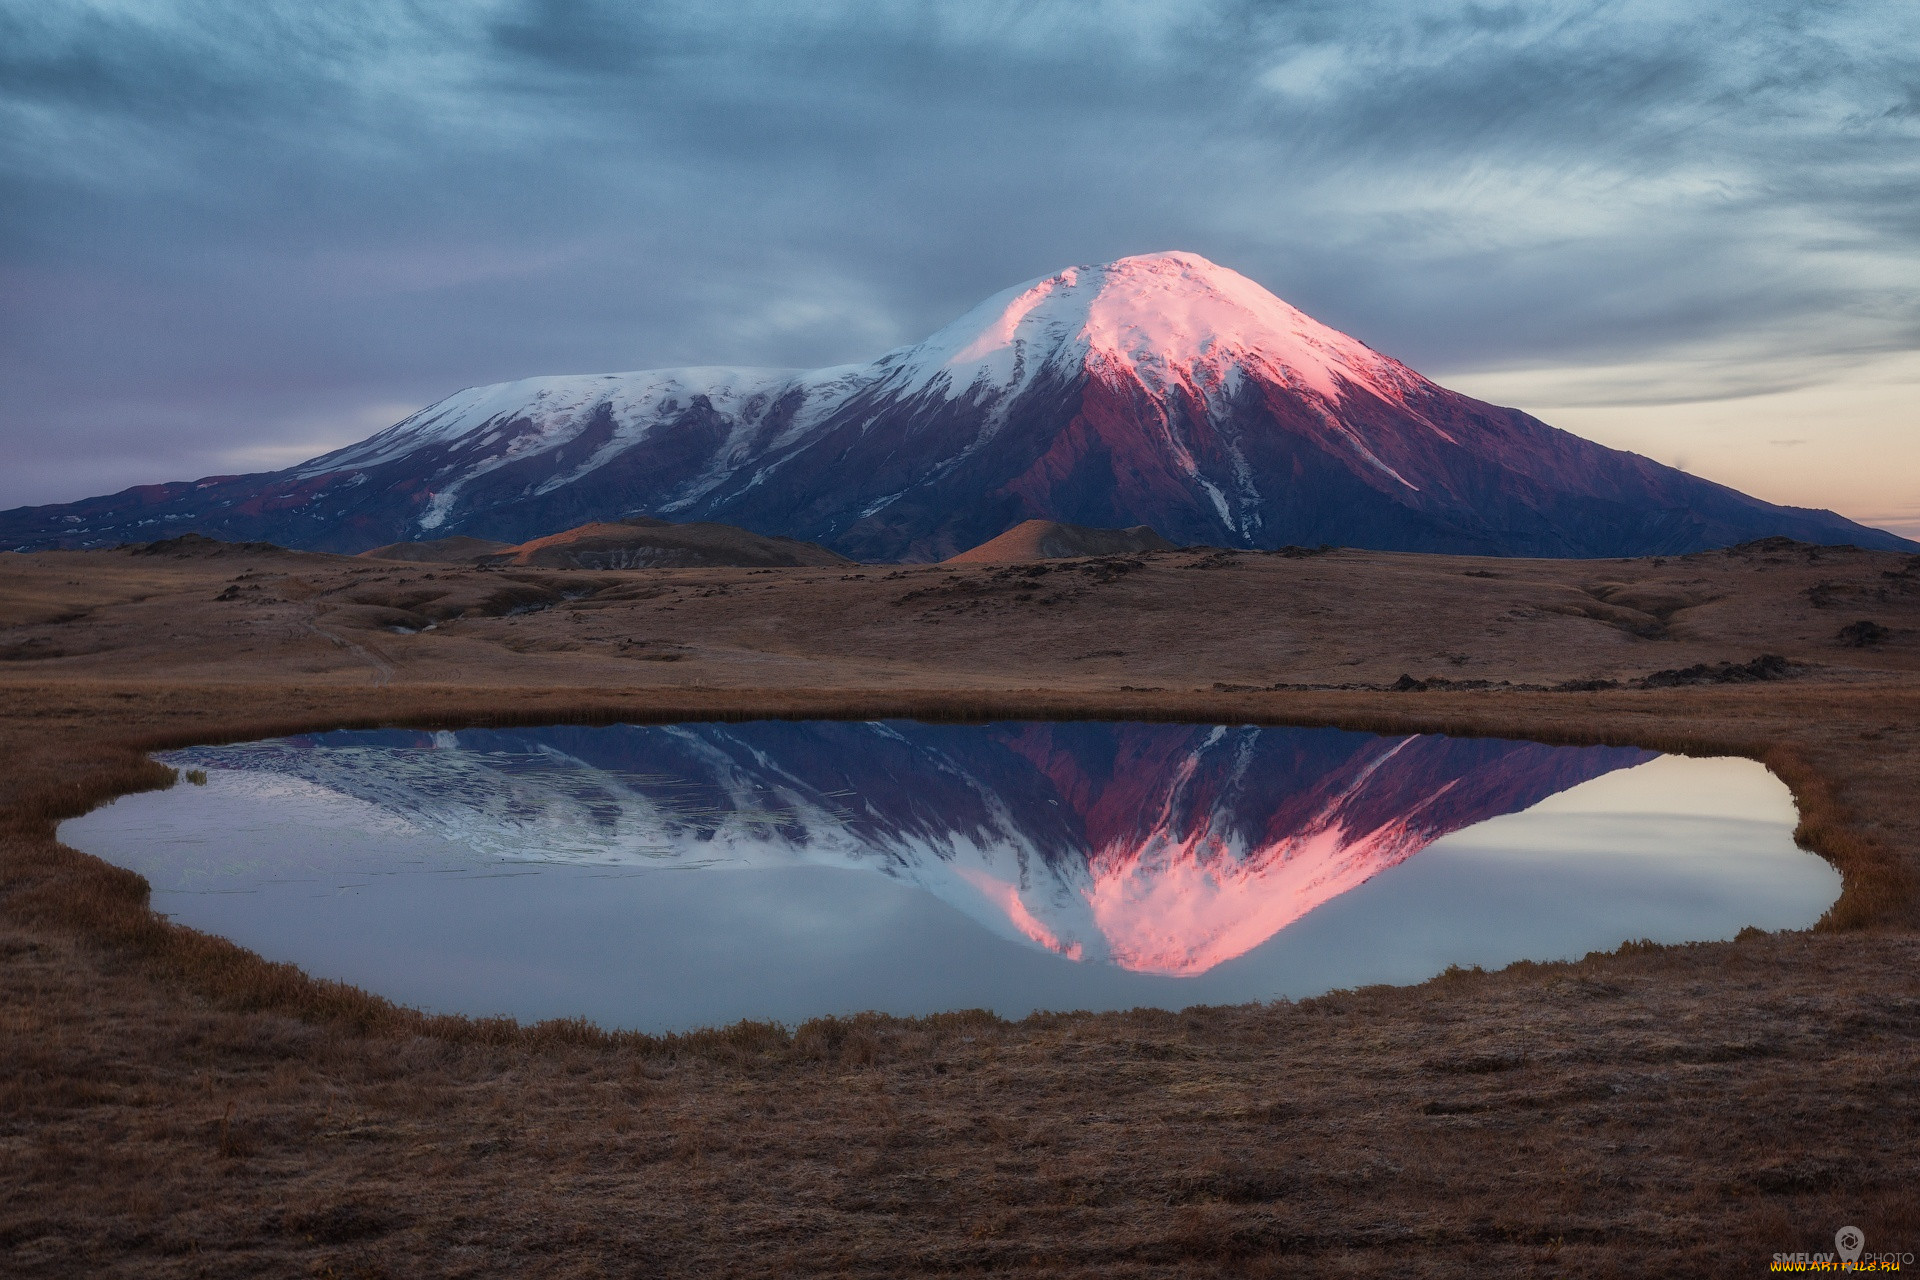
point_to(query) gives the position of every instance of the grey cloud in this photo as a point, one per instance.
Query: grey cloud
(222, 227)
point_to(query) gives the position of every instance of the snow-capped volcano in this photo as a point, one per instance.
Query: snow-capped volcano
(1173, 324)
(1161, 389)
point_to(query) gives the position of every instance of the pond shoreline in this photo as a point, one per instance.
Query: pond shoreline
(912, 868)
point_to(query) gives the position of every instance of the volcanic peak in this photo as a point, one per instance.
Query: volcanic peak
(1164, 318)
(1163, 321)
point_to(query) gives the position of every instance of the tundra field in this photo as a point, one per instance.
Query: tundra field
(171, 1105)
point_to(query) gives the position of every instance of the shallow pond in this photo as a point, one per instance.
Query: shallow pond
(673, 876)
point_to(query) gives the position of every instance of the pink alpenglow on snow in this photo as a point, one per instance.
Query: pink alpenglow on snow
(1163, 319)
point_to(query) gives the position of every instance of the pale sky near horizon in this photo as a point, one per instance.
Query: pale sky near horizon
(232, 237)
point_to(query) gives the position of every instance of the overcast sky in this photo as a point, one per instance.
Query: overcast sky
(235, 234)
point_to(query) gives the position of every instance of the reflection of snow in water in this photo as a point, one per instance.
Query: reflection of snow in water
(1163, 849)
(669, 879)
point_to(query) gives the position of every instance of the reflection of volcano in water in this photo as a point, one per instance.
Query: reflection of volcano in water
(1162, 848)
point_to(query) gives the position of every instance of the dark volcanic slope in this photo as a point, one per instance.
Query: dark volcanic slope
(1160, 390)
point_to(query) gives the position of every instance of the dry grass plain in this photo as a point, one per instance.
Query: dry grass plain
(173, 1106)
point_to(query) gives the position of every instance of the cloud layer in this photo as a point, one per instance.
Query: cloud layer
(231, 236)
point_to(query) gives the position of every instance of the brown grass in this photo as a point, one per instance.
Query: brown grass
(173, 1104)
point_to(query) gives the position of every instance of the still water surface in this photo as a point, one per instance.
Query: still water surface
(673, 876)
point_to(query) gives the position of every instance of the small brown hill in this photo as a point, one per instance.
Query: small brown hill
(439, 550)
(1052, 540)
(641, 543)
(200, 547)
(196, 546)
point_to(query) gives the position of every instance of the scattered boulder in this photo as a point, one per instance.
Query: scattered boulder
(1408, 684)
(1864, 633)
(1768, 666)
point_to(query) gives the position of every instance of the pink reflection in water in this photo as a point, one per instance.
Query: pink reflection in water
(1007, 898)
(1185, 871)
